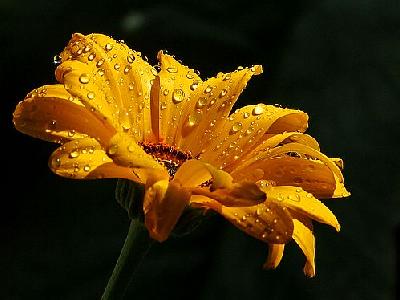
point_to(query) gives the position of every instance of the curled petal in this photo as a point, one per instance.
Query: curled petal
(85, 159)
(248, 127)
(120, 76)
(52, 114)
(275, 254)
(210, 104)
(163, 204)
(266, 221)
(304, 237)
(301, 202)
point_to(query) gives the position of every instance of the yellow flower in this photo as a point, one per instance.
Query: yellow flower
(116, 116)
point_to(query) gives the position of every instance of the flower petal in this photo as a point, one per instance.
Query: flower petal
(192, 173)
(295, 164)
(118, 80)
(249, 126)
(52, 114)
(210, 104)
(85, 159)
(275, 254)
(124, 151)
(169, 97)
(266, 221)
(163, 204)
(304, 237)
(301, 202)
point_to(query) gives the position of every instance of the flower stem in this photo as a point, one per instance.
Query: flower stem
(137, 244)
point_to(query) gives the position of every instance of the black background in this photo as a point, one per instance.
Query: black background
(338, 60)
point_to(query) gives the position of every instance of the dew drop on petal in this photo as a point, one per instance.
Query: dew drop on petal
(258, 110)
(117, 67)
(201, 102)
(246, 115)
(208, 89)
(56, 59)
(223, 93)
(178, 96)
(91, 95)
(166, 92)
(130, 58)
(163, 105)
(236, 127)
(194, 85)
(100, 62)
(172, 70)
(86, 168)
(74, 154)
(91, 56)
(108, 47)
(84, 78)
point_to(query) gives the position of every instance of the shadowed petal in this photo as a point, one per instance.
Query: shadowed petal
(275, 254)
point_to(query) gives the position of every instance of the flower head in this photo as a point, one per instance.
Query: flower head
(116, 116)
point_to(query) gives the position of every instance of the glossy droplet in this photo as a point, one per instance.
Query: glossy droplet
(236, 127)
(108, 47)
(246, 115)
(91, 95)
(208, 89)
(91, 56)
(172, 70)
(189, 75)
(131, 86)
(86, 168)
(131, 147)
(194, 85)
(127, 69)
(201, 102)
(113, 149)
(71, 133)
(57, 59)
(84, 78)
(163, 105)
(178, 96)
(100, 62)
(130, 58)
(165, 92)
(258, 110)
(223, 93)
(74, 154)
(226, 77)
(117, 67)
(52, 124)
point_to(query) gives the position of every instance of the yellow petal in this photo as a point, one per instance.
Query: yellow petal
(266, 221)
(125, 151)
(298, 165)
(301, 202)
(275, 254)
(210, 104)
(163, 204)
(52, 114)
(85, 159)
(304, 237)
(192, 173)
(248, 127)
(119, 80)
(169, 97)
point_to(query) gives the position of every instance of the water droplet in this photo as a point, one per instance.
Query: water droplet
(84, 78)
(189, 75)
(113, 149)
(131, 147)
(74, 154)
(91, 56)
(258, 110)
(127, 69)
(57, 59)
(117, 67)
(226, 77)
(165, 92)
(163, 105)
(194, 85)
(244, 218)
(100, 72)
(52, 124)
(100, 62)
(264, 235)
(246, 115)
(236, 127)
(201, 102)
(223, 93)
(240, 68)
(71, 133)
(172, 70)
(57, 162)
(208, 89)
(86, 168)
(91, 95)
(131, 86)
(178, 96)
(309, 195)
(108, 47)
(130, 58)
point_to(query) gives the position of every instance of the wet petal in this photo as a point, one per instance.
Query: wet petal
(163, 204)
(266, 221)
(169, 97)
(275, 254)
(210, 104)
(115, 78)
(52, 114)
(85, 159)
(304, 237)
(125, 151)
(248, 127)
(301, 202)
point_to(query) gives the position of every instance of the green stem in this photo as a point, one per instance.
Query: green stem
(137, 244)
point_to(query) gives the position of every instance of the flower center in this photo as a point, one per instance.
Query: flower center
(171, 157)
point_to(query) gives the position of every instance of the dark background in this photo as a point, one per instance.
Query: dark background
(337, 60)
